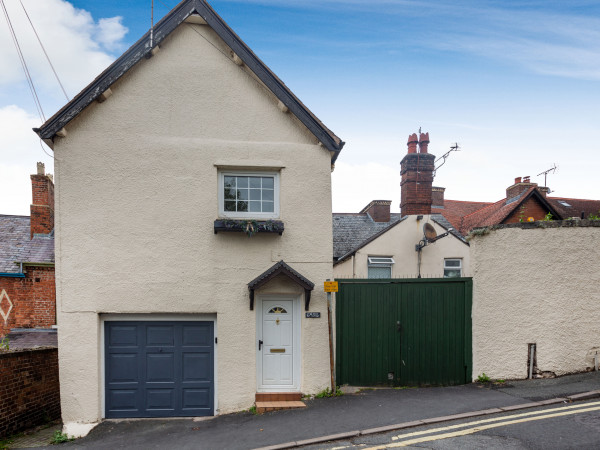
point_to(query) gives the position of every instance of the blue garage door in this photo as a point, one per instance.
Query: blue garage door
(159, 369)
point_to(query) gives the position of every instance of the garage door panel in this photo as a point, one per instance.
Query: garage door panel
(196, 399)
(123, 336)
(160, 335)
(159, 369)
(157, 399)
(124, 399)
(195, 335)
(197, 367)
(123, 367)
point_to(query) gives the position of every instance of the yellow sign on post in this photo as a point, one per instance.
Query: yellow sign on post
(331, 286)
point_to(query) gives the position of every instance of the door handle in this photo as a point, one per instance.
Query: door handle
(260, 343)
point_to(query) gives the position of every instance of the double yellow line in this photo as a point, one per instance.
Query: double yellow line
(485, 424)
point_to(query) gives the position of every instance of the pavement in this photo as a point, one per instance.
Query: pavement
(367, 411)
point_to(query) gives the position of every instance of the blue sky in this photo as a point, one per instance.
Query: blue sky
(515, 83)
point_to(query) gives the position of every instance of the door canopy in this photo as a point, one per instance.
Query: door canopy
(281, 268)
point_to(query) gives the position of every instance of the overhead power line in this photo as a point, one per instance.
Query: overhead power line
(36, 99)
(44, 50)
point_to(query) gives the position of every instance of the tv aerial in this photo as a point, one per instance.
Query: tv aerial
(454, 148)
(546, 172)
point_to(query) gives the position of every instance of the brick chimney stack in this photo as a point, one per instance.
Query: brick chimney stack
(378, 210)
(42, 205)
(416, 172)
(521, 185)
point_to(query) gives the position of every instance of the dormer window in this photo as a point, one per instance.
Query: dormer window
(252, 195)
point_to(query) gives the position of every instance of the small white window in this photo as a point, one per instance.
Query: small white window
(249, 195)
(452, 268)
(380, 266)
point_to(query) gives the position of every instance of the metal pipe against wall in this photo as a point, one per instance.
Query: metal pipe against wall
(531, 356)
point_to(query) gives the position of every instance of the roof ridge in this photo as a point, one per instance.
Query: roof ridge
(143, 48)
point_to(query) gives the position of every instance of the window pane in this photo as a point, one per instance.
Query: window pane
(452, 263)
(380, 272)
(242, 182)
(451, 273)
(229, 206)
(254, 206)
(267, 207)
(268, 195)
(229, 194)
(229, 182)
(254, 194)
(242, 206)
(255, 182)
(242, 194)
(267, 182)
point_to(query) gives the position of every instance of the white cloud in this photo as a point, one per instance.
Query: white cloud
(20, 152)
(110, 32)
(79, 48)
(76, 44)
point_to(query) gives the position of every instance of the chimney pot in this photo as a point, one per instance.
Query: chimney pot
(41, 168)
(517, 180)
(423, 142)
(412, 143)
(526, 179)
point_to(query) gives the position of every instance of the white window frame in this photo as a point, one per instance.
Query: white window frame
(248, 215)
(459, 267)
(381, 262)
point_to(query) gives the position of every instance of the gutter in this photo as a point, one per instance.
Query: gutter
(12, 275)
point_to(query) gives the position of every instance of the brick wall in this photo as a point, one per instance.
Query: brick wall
(29, 389)
(33, 298)
(531, 208)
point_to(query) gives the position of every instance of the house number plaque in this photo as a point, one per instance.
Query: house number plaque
(313, 315)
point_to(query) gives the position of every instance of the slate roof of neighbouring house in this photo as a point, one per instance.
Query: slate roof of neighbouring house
(350, 231)
(16, 246)
(142, 49)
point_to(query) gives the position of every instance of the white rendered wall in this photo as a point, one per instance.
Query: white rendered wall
(136, 197)
(535, 286)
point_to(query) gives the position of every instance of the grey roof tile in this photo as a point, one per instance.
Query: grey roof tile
(15, 245)
(350, 231)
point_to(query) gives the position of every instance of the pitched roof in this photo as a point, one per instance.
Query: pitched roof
(142, 49)
(353, 231)
(454, 210)
(495, 213)
(573, 207)
(16, 246)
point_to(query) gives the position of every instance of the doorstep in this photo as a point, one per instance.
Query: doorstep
(274, 401)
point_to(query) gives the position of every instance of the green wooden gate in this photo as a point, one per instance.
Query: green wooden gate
(403, 332)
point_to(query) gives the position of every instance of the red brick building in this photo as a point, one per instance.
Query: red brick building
(27, 288)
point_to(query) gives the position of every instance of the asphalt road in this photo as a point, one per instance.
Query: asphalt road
(562, 426)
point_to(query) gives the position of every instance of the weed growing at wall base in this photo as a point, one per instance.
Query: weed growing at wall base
(483, 378)
(328, 393)
(59, 437)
